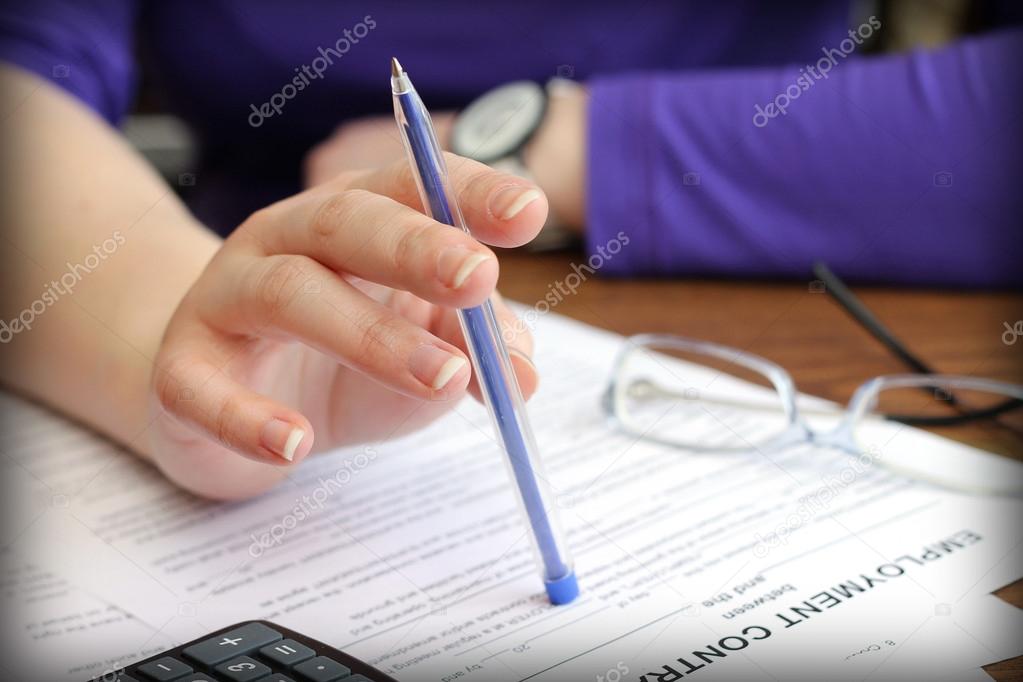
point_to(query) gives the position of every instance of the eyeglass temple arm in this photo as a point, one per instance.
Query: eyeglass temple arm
(964, 417)
(838, 290)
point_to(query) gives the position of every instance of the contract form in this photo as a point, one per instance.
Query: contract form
(410, 553)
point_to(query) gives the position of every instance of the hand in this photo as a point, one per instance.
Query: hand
(329, 316)
(555, 156)
(364, 144)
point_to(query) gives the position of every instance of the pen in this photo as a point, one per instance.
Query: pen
(489, 356)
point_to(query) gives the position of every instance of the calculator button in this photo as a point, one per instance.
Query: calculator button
(232, 643)
(165, 668)
(124, 678)
(196, 677)
(277, 677)
(287, 652)
(358, 678)
(322, 669)
(242, 669)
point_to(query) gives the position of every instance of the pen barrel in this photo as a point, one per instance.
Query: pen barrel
(492, 365)
(505, 404)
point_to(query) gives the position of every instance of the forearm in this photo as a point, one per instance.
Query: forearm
(98, 253)
(893, 169)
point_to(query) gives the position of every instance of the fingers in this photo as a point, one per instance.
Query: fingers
(292, 272)
(379, 239)
(293, 297)
(370, 225)
(515, 335)
(500, 209)
(514, 330)
(200, 395)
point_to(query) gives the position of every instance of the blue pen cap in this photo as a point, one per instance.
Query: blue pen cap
(563, 590)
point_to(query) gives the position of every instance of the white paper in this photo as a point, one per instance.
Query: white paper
(411, 553)
(55, 631)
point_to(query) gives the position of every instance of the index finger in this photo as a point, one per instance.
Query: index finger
(500, 209)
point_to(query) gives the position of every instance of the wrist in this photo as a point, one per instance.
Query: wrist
(161, 265)
(556, 155)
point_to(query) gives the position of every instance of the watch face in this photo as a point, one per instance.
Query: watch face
(499, 122)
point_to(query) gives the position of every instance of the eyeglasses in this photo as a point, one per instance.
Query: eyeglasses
(708, 398)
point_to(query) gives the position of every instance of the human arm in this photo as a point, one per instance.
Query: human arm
(898, 169)
(207, 356)
(70, 184)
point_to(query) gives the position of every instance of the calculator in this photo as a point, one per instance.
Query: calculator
(253, 650)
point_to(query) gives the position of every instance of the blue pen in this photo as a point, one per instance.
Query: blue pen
(489, 356)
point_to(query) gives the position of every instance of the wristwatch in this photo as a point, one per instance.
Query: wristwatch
(495, 129)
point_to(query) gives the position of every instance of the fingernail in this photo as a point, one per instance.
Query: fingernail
(510, 201)
(435, 367)
(516, 352)
(457, 264)
(525, 358)
(282, 438)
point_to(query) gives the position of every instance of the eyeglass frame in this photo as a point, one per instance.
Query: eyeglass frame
(797, 430)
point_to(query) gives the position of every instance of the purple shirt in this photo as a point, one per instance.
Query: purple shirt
(733, 137)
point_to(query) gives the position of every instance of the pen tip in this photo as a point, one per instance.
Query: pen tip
(396, 69)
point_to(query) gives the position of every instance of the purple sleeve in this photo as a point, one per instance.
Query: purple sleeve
(901, 169)
(83, 47)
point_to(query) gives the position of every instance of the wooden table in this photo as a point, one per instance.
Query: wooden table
(802, 329)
